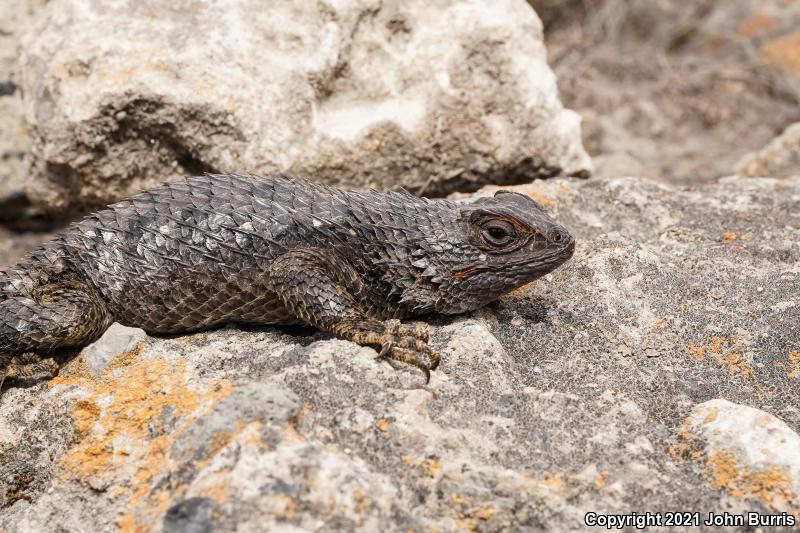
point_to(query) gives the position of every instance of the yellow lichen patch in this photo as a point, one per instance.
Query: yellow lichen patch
(121, 437)
(304, 410)
(216, 488)
(729, 237)
(659, 324)
(759, 23)
(469, 520)
(127, 524)
(251, 435)
(85, 413)
(430, 467)
(126, 358)
(455, 499)
(688, 446)
(291, 434)
(362, 501)
(711, 416)
(770, 485)
(792, 365)
(382, 424)
(556, 483)
(783, 52)
(722, 349)
(283, 506)
(600, 480)
(549, 485)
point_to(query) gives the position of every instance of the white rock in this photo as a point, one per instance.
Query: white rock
(758, 440)
(433, 96)
(117, 340)
(779, 158)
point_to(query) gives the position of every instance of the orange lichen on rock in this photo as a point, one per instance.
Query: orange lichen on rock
(770, 485)
(759, 23)
(470, 519)
(783, 53)
(688, 446)
(121, 438)
(430, 467)
(550, 485)
(556, 483)
(722, 349)
(729, 237)
(792, 365)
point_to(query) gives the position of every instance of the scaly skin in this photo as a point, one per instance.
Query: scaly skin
(216, 249)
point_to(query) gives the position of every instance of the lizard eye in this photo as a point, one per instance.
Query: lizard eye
(498, 233)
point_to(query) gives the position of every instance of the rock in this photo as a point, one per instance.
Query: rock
(358, 93)
(698, 123)
(17, 16)
(779, 158)
(750, 452)
(618, 164)
(116, 341)
(566, 396)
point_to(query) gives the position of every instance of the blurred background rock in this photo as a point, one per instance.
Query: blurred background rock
(676, 91)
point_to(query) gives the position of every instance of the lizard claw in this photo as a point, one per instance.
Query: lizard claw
(385, 351)
(408, 344)
(29, 365)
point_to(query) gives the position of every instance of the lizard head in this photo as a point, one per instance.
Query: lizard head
(509, 240)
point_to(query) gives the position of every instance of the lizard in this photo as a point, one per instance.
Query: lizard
(215, 249)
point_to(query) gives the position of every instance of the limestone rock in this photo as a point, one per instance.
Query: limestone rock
(431, 97)
(15, 17)
(116, 341)
(564, 397)
(746, 446)
(779, 158)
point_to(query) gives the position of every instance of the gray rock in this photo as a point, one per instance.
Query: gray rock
(358, 93)
(117, 340)
(17, 16)
(569, 395)
(779, 158)
(746, 447)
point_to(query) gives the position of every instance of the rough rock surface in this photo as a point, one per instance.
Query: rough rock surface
(780, 158)
(15, 17)
(116, 340)
(360, 92)
(568, 396)
(768, 452)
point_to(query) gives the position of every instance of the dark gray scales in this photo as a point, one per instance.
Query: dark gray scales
(217, 249)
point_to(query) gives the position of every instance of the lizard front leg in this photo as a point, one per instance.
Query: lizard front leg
(322, 291)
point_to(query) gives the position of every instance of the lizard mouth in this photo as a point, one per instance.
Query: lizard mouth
(523, 267)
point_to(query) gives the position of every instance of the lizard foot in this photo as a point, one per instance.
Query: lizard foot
(31, 364)
(408, 344)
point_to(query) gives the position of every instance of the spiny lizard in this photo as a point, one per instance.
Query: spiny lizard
(216, 249)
